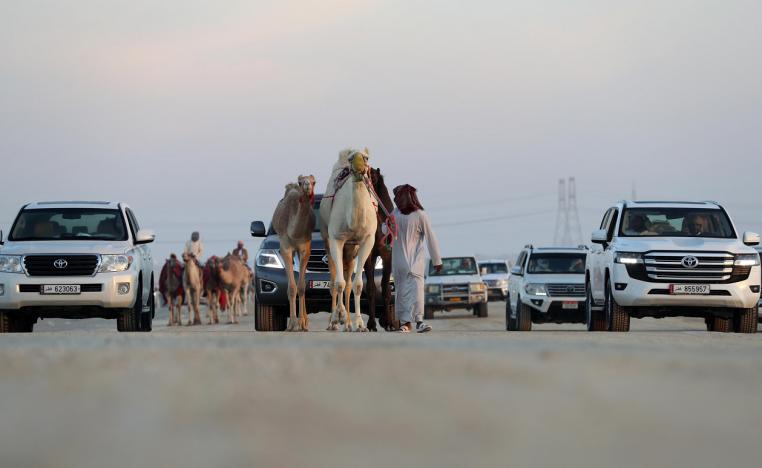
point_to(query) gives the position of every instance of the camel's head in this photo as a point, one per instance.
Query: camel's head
(307, 186)
(358, 161)
(186, 257)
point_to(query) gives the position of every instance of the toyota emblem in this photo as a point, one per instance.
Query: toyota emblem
(325, 259)
(570, 289)
(60, 263)
(690, 262)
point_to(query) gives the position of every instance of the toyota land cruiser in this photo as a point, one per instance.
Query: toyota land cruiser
(76, 260)
(664, 259)
(457, 285)
(547, 285)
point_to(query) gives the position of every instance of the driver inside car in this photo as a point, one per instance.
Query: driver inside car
(695, 225)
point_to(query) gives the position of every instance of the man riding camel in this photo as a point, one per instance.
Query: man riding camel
(409, 259)
(241, 252)
(194, 248)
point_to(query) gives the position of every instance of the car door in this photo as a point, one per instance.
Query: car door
(597, 266)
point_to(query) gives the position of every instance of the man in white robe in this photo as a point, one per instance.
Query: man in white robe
(409, 258)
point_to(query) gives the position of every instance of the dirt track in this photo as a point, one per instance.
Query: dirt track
(469, 394)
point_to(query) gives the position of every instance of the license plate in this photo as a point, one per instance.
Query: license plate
(320, 284)
(570, 305)
(689, 289)
(60, 289)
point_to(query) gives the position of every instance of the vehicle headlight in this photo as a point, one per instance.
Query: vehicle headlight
(379, 264)
(628, 258)
(267, 258)
(11, 264)
(433, 289)
(502, 283)
(747, 260)
(477, 287)
(114, 263)
(535, 289)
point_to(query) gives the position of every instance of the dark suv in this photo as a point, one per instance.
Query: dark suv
(271, 282)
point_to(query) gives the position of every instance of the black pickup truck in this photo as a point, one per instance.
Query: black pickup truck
(271, 283)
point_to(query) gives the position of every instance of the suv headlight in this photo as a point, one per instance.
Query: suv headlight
(114, 263)
(501, 283)
(268, 258)
(477, 287)
(433, 289)
(535, 289)
(11, 264)
(628, 258)
(747, 260)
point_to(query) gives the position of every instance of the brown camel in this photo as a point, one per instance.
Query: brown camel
(172, 288)
(233, 275)
(213, 290)
(381, 249)
(193, 284)
(294, 221)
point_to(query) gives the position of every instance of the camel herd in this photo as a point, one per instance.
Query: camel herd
(350, 224)
(226, 281)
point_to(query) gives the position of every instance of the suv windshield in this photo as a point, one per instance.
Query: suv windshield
(676, 222)
(490, 268)
(69, 224)
(455, 266)
(556, 263)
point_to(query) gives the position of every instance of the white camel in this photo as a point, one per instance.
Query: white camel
(348, 216)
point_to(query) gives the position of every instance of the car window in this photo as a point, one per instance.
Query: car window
(612, 223)
(455, 266)
(492, 268)
(556, 263)
(604, 221)
(676, 222)
(69, 224)
(134, 226)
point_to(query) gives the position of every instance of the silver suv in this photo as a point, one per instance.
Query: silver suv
(664, 259)
(76, 260)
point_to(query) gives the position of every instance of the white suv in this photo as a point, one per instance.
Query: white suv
(665, 259)
(76, 260)
(547, 285)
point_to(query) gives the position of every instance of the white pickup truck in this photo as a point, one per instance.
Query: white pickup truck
(76, 260)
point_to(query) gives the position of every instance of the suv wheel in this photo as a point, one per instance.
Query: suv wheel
(129, 319)
(617, 317)
(523, 316)
(510, 325)
(6, 322)
(482, 310)
(146, 318)
(746, 320)
(722, 324)
(269, 318)
(594, 320)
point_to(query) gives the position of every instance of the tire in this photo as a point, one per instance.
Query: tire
(617, 317)
(509, 323)
(6, 322)
(129, 319)
(269, 318)
(722, 324)
(523, 317)
(482, 309)
(709, 321)
(428, 313)
(23, 325)
(146, 318)
(745, 320)
(594, 320)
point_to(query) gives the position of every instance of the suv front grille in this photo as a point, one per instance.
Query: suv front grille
(316, 263)
(712, 267)
(75, 265)
(449, 290)
(566, 290)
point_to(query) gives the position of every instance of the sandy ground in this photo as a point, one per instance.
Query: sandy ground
(468, 394)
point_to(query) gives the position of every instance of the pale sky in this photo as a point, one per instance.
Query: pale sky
(197, 113)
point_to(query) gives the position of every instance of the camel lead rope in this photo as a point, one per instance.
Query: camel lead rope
(391, 222)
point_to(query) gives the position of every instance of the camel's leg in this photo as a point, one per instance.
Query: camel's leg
(370, 277)
(188, 304)
(171, 305)
(197, 307)
(209, 307)
(216, 306)
(288, 259)
(386, 294)
(304, 257)
(336, 248)
(331, 275)
(362, 256)
(236, 304)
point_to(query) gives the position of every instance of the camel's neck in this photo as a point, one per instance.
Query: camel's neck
(360, 202)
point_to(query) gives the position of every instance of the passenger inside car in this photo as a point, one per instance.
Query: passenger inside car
(696, 225)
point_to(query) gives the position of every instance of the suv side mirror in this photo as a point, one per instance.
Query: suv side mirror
(516, 271)
(258, 229)
(750, 238)
(599, 236)
(2, 242)
(145, 236)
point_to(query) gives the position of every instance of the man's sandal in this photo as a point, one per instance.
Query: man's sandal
(405, 328)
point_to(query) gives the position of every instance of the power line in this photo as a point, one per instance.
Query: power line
(492, 218)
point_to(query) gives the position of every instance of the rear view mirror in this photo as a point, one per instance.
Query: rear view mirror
(516, 271)
(750, 238)
(145, 236)
(599, 236)
(258, 229)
